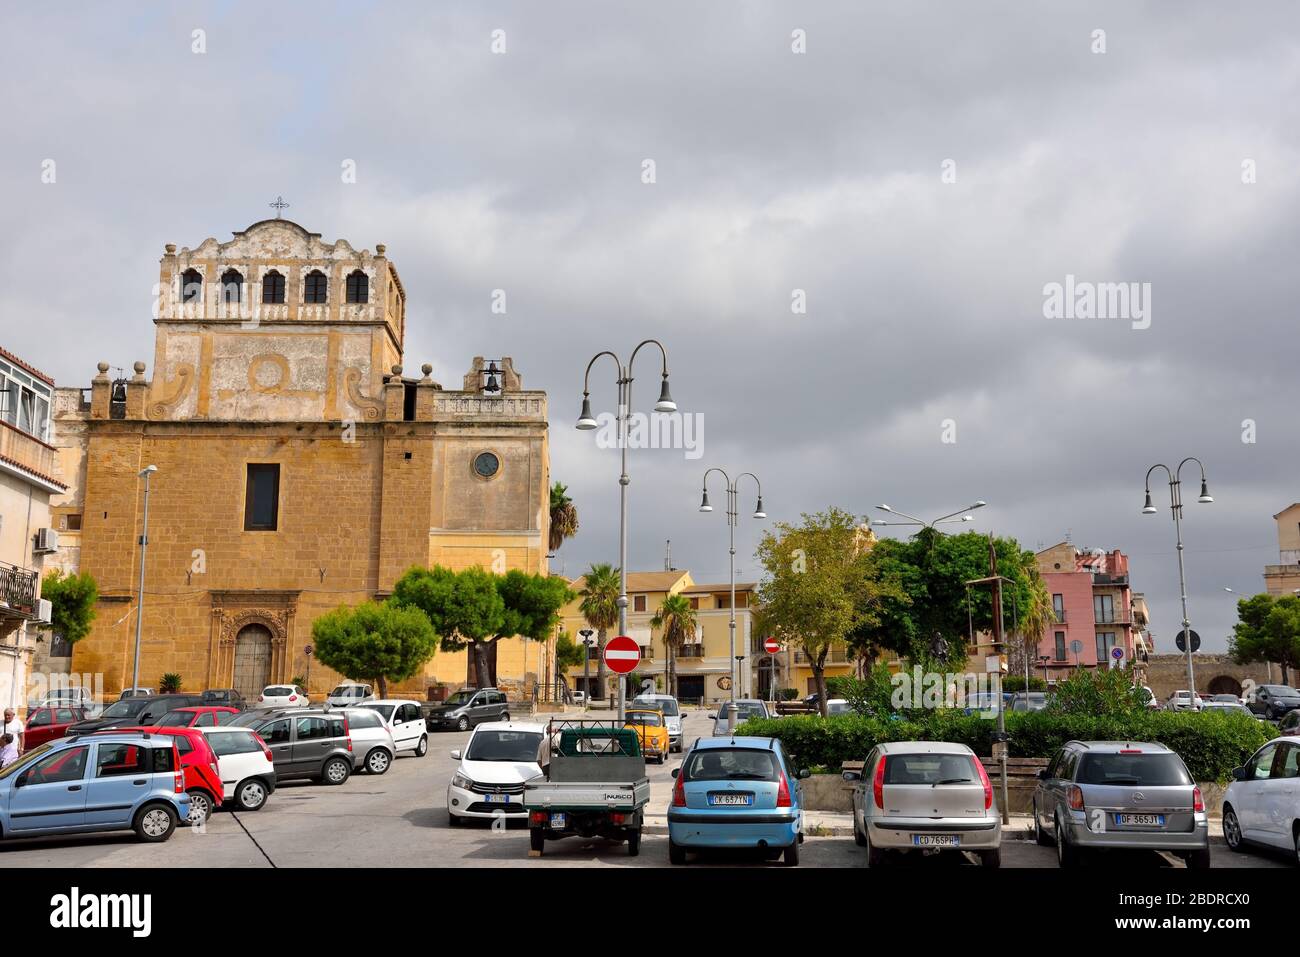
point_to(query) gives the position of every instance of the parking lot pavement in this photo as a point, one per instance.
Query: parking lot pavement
(400, 819)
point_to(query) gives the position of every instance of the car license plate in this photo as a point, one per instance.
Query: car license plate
(1140, 820)
(498, 798)
(731, 800)
(557, 820)
(936, 840)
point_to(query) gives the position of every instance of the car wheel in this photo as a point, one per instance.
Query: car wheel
(250, 795)
(1296, 838)
(453, 820)
(422, 748)
(155, 823)
(1067, 855)
(791, 854)
(336, 771)
(858, 837)
(875, 855)
(505, 716)
(676, 853)
(200, 808)
(634, 844)
(378, 761)
(1040, 836)
(1232, 830)
(462, 724)
(1198, 860)
(537, 839)
(991, 858)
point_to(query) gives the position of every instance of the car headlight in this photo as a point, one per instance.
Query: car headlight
(459, 780)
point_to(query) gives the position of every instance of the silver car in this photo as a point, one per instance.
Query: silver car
(746, 708)
(925, 796)
(1120, 794)
(373, 747)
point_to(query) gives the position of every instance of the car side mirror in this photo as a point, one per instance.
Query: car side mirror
(712, 716)
(675, 770)
(1042, 774)
(1239, 774)
(456, 754)
(852, 776)
(805, 773)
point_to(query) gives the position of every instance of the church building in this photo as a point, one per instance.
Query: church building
(298, 468)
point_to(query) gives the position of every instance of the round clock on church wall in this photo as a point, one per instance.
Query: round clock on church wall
(486, 464)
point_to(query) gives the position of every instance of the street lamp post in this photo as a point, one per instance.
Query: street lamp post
(587, 422)
(733, 515)
(147, 471)
(951, 518)
(1176, 506)
(586, 663)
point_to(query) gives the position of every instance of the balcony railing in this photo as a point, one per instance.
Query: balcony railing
(27, 450)
(18, 588)
(836, 656)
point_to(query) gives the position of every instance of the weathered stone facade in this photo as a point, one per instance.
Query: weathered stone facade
(376, 470)
(1215, 674)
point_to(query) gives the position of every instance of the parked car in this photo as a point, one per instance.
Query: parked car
(672, 714)
(118, 782)
(1290, 724)
(579, 697)
(468, 707)
(49, 724)
(1274, 701)
(1261, 805)
(405, 722)
(195, 716)
(348, 694)
(1184, 700)
(373, 747)
(77, 696)
(983, 701)
(1225, 699)
(1149, 698)
(925, 796)
(1227, 707)
(652, 729)
(1028, 701)
(134, 712)
(305, 744)
(225, 697)
(836, 706)
(282, 696)
(198, 764)
(1120, 794)
(134, 693)
(736, 792)
(245, 764)
(746, 708)
(489, 780)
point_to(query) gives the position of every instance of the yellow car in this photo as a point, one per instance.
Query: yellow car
(652, 728)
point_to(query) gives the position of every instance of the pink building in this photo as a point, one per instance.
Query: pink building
(1093, 606)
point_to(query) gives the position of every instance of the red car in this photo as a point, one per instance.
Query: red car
(199, 716)
(49, 724)
(198, 762)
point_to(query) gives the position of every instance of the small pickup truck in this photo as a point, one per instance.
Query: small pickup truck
(594, 785)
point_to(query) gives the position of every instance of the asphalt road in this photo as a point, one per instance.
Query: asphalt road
(400, 819)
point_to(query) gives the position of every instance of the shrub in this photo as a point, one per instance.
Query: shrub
(870, 695)
(1014, 683)
(789, 694)
(1097, 691)
(170, 683)
(1210, 744)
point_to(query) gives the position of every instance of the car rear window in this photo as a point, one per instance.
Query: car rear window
(731, 764)
(234, 742)
(930, 769)
(277, 692)
(1135, 770)
(667, 705)
(364, 719)
(164, 759)
(386, 710)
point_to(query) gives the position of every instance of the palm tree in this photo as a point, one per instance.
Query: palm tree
(564, 517)
(600, 589)
(676, 618)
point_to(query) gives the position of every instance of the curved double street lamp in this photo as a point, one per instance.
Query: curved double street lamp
(733, 515)
(1176, 506)
(951, 518)
(586, 422)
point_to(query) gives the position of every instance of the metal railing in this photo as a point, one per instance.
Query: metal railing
(18, 587)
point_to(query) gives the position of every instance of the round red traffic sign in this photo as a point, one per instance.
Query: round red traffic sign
(622, 654)
(771, 646)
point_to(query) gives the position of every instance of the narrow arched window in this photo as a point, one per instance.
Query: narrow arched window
(272, 287)
(358, 287)
(232, 286)
(313, 290)
(191, 286)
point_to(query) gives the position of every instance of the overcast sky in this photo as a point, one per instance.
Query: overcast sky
(775, 171)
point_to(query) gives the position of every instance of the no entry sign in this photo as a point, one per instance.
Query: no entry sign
(771, 646)
(622, 655)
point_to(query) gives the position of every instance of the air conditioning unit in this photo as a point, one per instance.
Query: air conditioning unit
(44, 611)
(47, 540)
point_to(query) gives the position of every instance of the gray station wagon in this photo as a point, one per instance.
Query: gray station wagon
(304, 743)
(1120, 794)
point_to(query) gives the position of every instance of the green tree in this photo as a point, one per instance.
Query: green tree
(677, 621)
(475, 609)
(1099, 692)
(563, 517)
(819, 587)
(1268, 629)
(600, 588)
(375, 641)
(568, 653)
(72, 600)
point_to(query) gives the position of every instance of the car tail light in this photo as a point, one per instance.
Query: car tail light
(261, 697)
(988, 786)
(1130, 750)
(679, 791)
(878, 786)
(293, 697)
(1198, 801)
(265, 749)
(616, 818)
(1076, 798)
(178, 779)
(537, 817)
(783, 792)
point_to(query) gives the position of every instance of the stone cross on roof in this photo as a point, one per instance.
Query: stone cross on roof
(278, 205)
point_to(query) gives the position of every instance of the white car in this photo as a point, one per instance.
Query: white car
(1261, 805)
(489, 782)
(672, 714)
(1183, 700)
(372, 743)
(405, 722)
(349, 695)
(282, 696)
(245, 764)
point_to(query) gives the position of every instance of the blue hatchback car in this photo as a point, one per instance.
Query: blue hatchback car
(103, 782)
(736, 793)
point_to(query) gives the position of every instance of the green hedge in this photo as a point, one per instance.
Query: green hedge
(1210, 744)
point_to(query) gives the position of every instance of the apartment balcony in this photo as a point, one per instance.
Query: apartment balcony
(29, 454)
(1104, 580)
(1124, 620)
(691, 651)
(836, 656)
(18, 590)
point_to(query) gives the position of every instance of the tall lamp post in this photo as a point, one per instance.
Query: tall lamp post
(733, 515)
(587, 422)
(147, 471)
(951, 518)
(586, 666)
(1176, 506)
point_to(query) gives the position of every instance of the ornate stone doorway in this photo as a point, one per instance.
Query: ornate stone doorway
(252, 670)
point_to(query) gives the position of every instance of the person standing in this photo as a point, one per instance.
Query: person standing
(13, 727)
